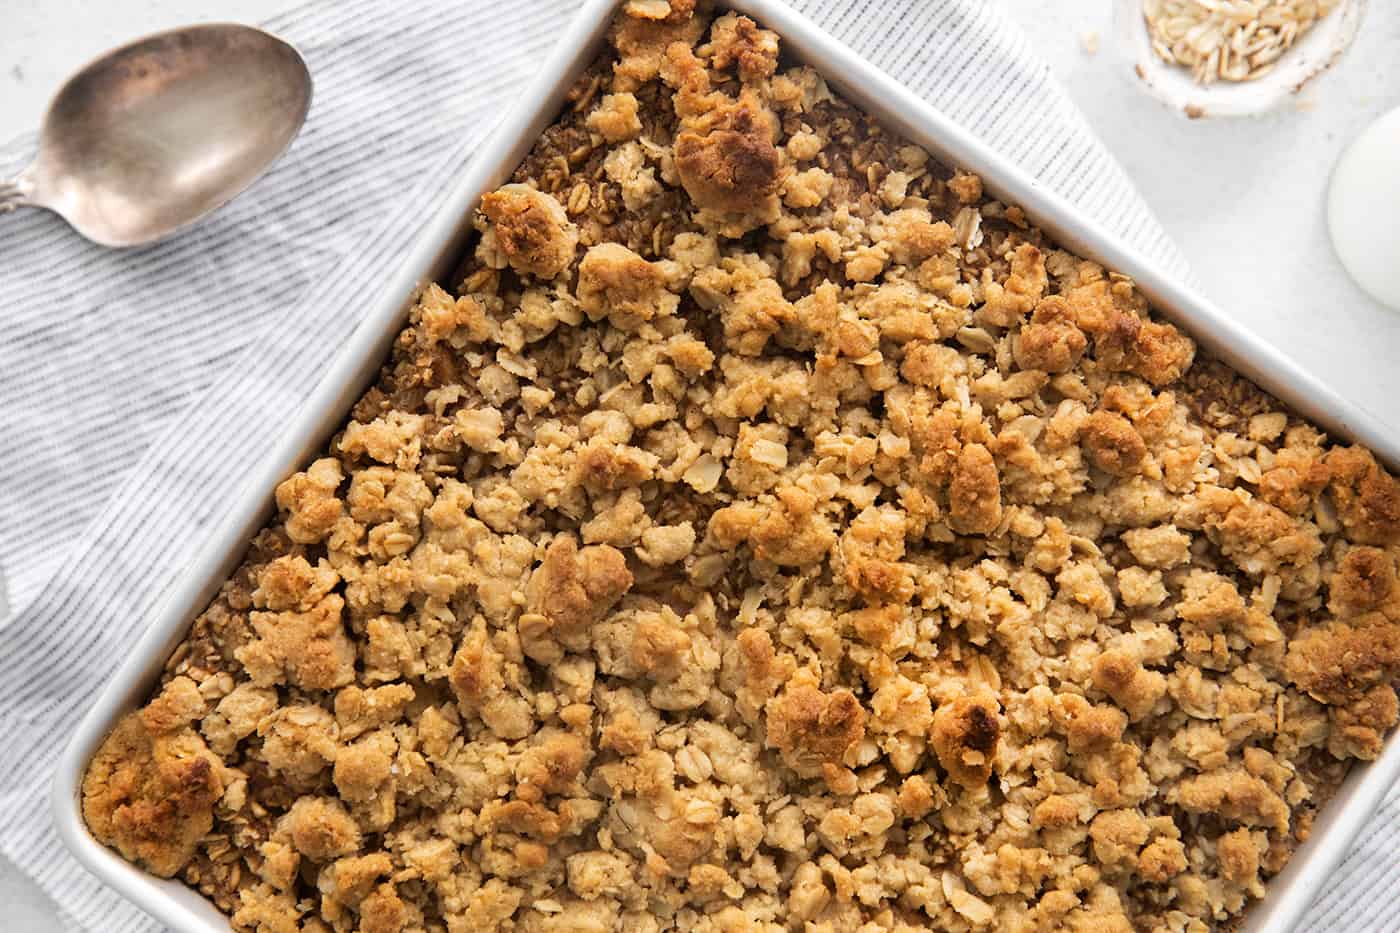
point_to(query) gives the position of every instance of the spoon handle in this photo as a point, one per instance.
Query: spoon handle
(12, 195)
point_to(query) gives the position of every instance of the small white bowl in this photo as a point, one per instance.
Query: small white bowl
(1172, 84)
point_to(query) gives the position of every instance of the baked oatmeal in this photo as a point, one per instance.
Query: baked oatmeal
(770, 530)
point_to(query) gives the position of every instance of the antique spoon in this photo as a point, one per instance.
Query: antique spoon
(160, 132)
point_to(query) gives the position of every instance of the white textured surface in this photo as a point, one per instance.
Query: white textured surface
(25, 906)
(1244, 200)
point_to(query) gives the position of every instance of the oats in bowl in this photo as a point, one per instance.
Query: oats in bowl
(770, 530)
(1229, 40)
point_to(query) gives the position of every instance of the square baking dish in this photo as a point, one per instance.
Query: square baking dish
(440, 246)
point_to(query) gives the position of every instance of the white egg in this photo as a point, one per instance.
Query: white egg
(1362, 206)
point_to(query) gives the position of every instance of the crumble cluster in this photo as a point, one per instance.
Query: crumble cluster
(772, 532)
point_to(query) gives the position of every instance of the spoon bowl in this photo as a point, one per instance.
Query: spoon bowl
(158, 133)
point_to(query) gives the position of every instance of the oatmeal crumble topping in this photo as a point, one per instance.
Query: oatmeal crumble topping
(769, 530)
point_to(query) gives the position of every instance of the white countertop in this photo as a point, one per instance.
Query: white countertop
(1244, 199)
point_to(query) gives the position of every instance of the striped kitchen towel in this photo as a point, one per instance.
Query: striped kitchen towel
(140, 387)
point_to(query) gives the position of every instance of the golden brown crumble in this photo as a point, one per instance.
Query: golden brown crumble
(770, 531)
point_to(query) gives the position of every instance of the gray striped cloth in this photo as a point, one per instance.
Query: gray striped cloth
(140, 387)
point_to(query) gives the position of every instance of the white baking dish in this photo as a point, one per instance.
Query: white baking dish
(441, 244)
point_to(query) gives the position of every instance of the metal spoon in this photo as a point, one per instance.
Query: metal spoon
(158, 133)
